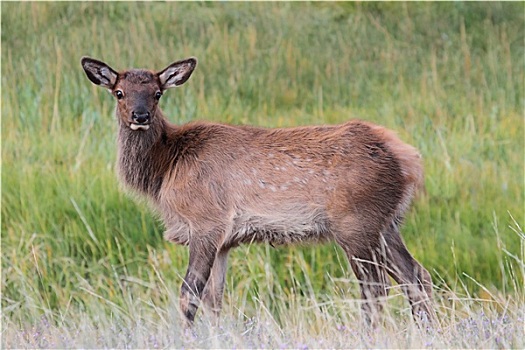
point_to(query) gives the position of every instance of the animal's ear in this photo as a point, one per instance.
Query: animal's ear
(177, 73)
(99, 73)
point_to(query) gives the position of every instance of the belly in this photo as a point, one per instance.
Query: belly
(280, 227)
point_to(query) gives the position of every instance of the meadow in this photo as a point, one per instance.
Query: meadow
(84, 263)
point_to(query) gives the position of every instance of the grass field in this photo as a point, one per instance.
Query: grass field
(85, 265)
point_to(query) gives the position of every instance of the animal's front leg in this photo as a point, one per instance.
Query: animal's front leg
(202, 256)
(212, 296)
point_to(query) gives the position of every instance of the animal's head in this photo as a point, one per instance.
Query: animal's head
(138, 91)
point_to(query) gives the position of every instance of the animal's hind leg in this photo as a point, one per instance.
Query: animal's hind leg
(373, 281)
(413, 278)
(374, 284)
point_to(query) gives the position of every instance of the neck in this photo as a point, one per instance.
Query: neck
(142, 158)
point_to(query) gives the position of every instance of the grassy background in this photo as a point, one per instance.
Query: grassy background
(448, 77)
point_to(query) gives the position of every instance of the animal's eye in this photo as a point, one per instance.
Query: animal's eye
(119, 94)
(158, 95)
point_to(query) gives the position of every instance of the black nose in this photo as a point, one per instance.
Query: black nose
(140, 118)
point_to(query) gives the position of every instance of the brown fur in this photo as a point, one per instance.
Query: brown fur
(217, 186)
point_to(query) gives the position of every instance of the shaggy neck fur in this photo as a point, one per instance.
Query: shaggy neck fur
(143, 155)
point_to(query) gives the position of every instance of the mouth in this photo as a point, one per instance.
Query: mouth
(134, 126)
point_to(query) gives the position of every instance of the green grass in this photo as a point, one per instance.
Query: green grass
(80, 254)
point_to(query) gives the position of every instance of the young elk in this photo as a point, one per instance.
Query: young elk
(217, 186)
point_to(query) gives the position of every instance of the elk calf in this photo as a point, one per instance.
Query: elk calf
(217, 186)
